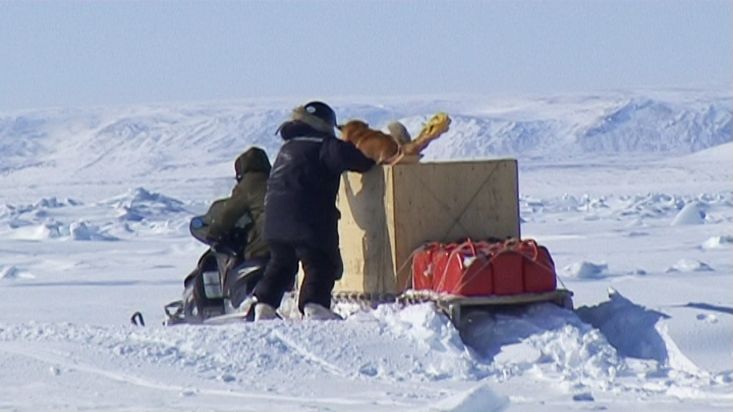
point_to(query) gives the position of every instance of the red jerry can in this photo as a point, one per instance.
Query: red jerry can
(506, 267)
(538, 268)
(463, 272)
(423, 266)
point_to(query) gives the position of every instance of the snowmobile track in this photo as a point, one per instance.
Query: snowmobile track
(59, 360)
(310, 356)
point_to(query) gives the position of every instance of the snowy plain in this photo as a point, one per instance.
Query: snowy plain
(632, 192)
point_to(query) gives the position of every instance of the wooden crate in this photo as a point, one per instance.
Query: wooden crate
(389, 212)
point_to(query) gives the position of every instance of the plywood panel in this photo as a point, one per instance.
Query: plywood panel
(390, 211)
(447, 202)
(367, 245)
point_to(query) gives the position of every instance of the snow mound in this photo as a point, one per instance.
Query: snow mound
(718, 242)
(51, 229)
(582, 355)
(637, 332)
(139, 204)
(682, 209)
(83, 231)
(585, 270)
(134, 212)
(565, 203)
(650, 205)
(431, 332)
(53, 202)
(543, 338)
(478, 399)
(38, 209)
(629, 327)
(691, 214)
(423, 322)
(689, 265)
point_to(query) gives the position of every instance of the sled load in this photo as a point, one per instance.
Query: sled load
(446, 232)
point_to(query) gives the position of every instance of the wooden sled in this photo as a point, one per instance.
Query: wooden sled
(456, 306)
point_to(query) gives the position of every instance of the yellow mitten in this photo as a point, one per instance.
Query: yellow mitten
(437, 125)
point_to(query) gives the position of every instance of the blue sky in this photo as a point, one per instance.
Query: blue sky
(64, 53)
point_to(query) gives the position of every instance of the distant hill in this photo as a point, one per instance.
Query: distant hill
(158, 139)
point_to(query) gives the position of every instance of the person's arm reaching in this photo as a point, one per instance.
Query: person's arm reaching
(340, 156)
(233, 209)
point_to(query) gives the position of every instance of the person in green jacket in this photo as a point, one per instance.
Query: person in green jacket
(233, 228)
(245, 207)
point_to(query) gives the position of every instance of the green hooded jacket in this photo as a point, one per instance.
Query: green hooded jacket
(248, 196)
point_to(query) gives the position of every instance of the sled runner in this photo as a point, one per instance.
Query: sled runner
(456, 307)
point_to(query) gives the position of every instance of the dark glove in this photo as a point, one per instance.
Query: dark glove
(222, 247)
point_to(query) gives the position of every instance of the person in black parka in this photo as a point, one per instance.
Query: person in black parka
(301, 218)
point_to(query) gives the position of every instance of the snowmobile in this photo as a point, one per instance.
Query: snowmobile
(222, 279)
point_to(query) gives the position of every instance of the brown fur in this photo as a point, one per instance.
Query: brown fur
(375, 145)
(395, 147)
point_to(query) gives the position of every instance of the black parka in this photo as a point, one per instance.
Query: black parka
(300, 206)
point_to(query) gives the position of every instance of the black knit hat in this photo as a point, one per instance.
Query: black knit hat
(322, 111)
(317, 115)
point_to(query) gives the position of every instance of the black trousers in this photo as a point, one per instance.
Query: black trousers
(321, 267)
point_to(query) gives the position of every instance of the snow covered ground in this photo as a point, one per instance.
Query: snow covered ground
(632, 193)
